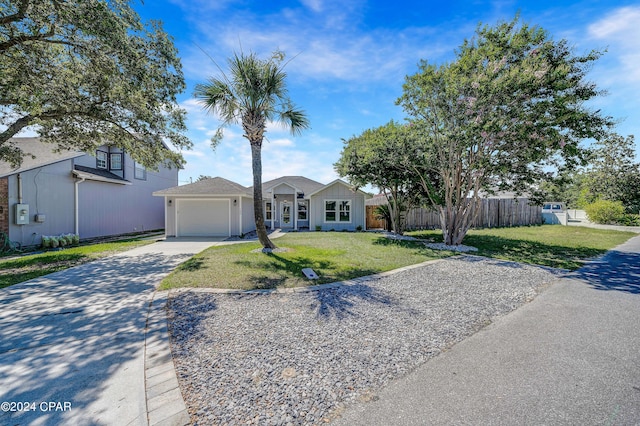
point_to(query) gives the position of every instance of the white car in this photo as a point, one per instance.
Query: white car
(552, 207)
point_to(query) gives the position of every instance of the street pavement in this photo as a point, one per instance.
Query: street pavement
(569, 357)
(72, 343)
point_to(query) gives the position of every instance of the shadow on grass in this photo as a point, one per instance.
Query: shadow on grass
(18, 270)
(532, 252)
(193, 264)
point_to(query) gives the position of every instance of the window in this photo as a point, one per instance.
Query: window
(302, 210)
(337, 211)
(101, 160)
(115, 161)
(268, 212)
(139, 171)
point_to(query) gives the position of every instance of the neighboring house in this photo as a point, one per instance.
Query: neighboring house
(99, 194)
(219, 207)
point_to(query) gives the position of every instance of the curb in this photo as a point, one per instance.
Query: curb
(165, 405)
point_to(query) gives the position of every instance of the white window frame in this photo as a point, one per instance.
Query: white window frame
(337, 211)
(120, 161)
(268, 210)
(139, 171)
(102, 160)
(305, 211)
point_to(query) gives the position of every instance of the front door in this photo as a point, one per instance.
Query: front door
(285, 215)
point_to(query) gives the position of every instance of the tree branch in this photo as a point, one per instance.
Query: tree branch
(24, 5)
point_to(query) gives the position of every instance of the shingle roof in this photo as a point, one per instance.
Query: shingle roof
(99, 172)
(45, 154)
(210, 186)
(306, 185)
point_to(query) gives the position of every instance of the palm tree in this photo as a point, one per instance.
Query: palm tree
(253, 94)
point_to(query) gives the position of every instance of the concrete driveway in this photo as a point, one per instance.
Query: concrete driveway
(72, 343)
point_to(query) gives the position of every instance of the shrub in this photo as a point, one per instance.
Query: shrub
(55, 242)
(630, 220)
(605, 211)
(46, 242)
(318, 228)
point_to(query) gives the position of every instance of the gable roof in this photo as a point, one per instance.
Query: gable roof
(300, 183)
(210, 186)
(45, 154)
(341, 182)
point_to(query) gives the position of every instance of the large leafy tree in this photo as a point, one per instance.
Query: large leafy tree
(253, 94)
(83, 73)
(510, 107)
(384, 157)
(614, 174)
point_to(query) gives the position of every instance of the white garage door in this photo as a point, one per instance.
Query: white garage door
(203, 218)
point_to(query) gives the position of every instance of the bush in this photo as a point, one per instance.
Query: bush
(605, 212)
(630, 220)
(46, 242)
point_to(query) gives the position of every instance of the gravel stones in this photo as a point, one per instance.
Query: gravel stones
(301, 358)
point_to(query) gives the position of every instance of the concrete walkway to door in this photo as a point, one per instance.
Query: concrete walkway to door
(72, 343)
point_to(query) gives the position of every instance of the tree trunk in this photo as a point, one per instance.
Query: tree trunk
(258, 213)
(457, 220)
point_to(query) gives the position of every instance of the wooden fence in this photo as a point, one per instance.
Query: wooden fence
(494, 213)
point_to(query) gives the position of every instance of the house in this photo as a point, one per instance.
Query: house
(219, 207)
(97, 194)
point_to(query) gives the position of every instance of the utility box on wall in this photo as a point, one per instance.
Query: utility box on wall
(22, 214)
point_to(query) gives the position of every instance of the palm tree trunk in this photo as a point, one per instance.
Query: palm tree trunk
(258, 213)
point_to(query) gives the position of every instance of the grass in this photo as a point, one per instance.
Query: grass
(338, 256)
(565, 247)
(334, 256)
(18, 269)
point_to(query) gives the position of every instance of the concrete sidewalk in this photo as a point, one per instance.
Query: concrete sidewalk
(571, 356)
(72, 344)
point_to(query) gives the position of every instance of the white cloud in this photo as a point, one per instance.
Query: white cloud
(315, 5)
(620, 30)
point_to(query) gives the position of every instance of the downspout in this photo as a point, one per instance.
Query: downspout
(19, 188)
(240, 231)
(76, 215)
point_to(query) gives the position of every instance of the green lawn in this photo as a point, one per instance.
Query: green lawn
(566, 247)
(18, 269)
(334, 256)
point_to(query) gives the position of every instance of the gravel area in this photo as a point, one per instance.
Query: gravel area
(301, 358)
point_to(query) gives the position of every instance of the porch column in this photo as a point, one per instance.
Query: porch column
(295, 210)
(273, 210)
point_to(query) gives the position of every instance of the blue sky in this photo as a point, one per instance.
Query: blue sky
(351, 58)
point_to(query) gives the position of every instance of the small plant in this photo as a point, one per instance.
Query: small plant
(55, 242)
(318, 228)
(359, 228)
(46, 242)
(630, 220)
(605, 211)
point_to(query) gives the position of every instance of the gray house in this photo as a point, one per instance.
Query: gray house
(219, 207)
(102, 193)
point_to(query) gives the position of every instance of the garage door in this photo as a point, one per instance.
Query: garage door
(203, 218)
